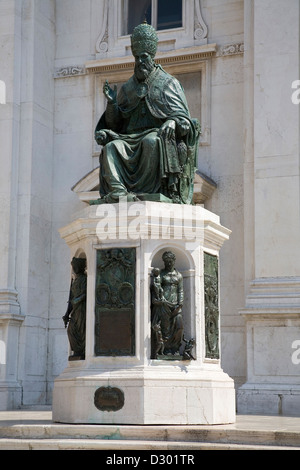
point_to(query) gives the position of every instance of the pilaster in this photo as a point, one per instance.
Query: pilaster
(10, 318)
(26, 134)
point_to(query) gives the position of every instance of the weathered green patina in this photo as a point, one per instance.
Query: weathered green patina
(150, 142)
(211, 294)
(166, 302)
(75, 316)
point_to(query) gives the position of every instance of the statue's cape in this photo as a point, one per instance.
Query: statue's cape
(165, 97)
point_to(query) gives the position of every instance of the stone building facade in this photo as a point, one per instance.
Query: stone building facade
(239, 62)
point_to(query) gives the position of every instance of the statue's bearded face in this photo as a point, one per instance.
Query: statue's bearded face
(144, 64)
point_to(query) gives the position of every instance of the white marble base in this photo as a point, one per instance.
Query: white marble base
(157, 394)
(155, 391)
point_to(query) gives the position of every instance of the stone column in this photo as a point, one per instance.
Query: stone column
(26, 135)
(272, 207)
(35, 193)
(10, 318)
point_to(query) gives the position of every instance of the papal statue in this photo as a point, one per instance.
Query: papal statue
(149, 140)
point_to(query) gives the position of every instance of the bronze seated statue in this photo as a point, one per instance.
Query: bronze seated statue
(149, 140)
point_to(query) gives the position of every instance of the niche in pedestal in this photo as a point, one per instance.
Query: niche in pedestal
(173, 305)
(115, 302)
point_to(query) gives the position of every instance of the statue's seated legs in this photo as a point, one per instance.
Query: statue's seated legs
(151, 142)
(126, 165)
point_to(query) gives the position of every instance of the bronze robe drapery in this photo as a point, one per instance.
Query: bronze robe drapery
(77, 323)
(167, 312)
(135, 158)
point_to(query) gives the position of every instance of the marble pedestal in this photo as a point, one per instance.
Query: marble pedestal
(134, 388)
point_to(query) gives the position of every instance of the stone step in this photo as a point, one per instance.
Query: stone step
(128, 437)
(128, 445)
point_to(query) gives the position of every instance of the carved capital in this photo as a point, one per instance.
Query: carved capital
(9, 303)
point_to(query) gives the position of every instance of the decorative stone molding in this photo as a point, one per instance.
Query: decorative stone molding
(69, 71)
(200, 28)
(231, 49)
(9, 304)
(203, 188)
(112, 40)
(177, 57)
(102, 41)
(273, 297)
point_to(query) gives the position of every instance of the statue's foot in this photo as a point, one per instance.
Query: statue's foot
(114, 197)
(131, 197)
(95, 202)
(77, 356)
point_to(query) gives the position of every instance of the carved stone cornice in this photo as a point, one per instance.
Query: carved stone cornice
(183, 56)
(273, 298)
(177, 57)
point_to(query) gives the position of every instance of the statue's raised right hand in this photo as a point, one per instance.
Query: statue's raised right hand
(66, 319)
(110, 94)
(101, 137)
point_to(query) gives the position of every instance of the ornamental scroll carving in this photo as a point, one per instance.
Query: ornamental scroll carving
(200, 28)
(231, 49)
(102, 41)
(69, 71)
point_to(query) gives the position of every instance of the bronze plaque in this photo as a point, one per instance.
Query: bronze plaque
(114, 332)
(109, 399)
(115, 302)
